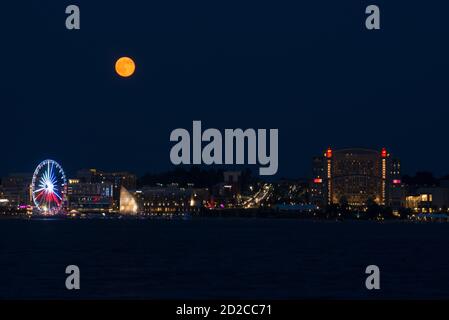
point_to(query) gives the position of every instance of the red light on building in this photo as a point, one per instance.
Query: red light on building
(396, 181)
(384, 153)
(329, 153)
(317, 180)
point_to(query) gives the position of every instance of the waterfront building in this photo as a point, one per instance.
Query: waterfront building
(16, 189)
(3, 201)
(428, 200)
(117, 179)
(170, 199)
(232, 181)
(89, 197)
(355, 176)
(318, 191)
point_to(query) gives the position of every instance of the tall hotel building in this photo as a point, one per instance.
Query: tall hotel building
(355, 176)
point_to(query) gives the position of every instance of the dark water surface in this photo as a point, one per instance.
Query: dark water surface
(222, 258)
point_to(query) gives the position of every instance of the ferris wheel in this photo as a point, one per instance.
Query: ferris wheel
(48, 187)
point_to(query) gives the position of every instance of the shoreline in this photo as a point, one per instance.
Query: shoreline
(220, 216)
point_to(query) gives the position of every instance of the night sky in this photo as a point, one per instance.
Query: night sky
(308, 68)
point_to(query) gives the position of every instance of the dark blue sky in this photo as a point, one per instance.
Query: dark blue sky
(309, 68)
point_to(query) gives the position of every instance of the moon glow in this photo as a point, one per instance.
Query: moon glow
(125, 67)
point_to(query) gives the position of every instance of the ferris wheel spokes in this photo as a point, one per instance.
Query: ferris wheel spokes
(48, 187)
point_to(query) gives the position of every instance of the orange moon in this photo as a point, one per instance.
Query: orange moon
(125, 67)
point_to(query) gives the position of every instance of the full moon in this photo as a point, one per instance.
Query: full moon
(125, 67)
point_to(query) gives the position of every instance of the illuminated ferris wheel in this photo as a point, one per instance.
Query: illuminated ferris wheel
(48, 187)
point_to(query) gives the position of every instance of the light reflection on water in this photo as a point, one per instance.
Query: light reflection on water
(222, 258)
